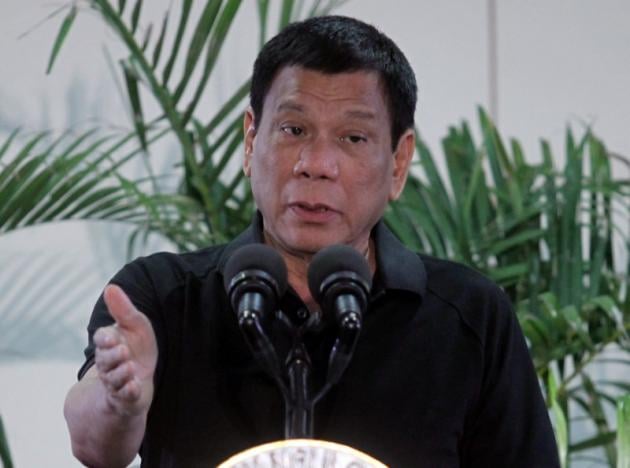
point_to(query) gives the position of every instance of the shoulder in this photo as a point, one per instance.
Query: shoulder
(458, 283)
(162, 272)
(480, 303)
(198, 263)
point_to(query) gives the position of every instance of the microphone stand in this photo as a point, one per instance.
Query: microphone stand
(340, 356)
(298, 415)
(298, 407)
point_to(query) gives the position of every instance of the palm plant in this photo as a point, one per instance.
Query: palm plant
(199, 200)
(547, 237)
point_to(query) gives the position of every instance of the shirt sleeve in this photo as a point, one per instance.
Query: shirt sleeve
(510, 425)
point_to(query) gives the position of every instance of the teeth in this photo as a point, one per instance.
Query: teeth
(319, 209)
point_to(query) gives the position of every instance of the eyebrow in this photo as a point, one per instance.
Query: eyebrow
(291, 106)
(359, 114)
(356, 114)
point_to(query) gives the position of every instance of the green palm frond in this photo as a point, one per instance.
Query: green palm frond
(544, 234)
(68, 178)
(5, 453)
(212, 202)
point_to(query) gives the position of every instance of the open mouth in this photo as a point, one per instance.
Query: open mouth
(313, 212)
(314, 208)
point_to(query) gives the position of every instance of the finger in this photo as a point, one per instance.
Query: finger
(107, 337)
(125, 398)
(128, 393)
(119, 376)
(121, 308)
(132, 390)
(108, 358)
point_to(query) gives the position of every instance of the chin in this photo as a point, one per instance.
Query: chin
(312, 244)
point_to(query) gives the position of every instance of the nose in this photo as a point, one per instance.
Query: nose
(318, 159)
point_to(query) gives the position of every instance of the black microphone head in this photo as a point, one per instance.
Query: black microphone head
(258, 261)
(334, 260)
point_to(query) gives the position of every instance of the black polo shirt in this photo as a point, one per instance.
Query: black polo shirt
(441, 375)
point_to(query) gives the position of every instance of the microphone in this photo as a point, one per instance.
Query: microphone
(339, 279)
(255, 278)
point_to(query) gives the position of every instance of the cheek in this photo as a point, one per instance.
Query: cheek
(268, 176)
(371, 177)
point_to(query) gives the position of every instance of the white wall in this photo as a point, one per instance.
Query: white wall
(559, 62)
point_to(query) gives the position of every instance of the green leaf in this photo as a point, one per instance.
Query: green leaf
(5, 146)
(559, 419)
(131, 82)
(197, 43)
(219, 34)
(232, 128)
(181, 28)
(623, 386)
(135, 16)
(218, 168)
(285, 13)
(5, 453)
(226, 109)
(75, 176)
(509, 272)
(46, 185)
(606, 303)
(20, 177)
(263, 14)
(497, 156)
(623, 432)
(61, 37)
(575, 322)
(535, 329)
(516, 241)
(432, 173)
(596, 411)
(147, 38)
(600, 439)
(157, 51)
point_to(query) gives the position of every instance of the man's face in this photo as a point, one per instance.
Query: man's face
(320, 160)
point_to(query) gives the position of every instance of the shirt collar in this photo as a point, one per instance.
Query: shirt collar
(398, 268)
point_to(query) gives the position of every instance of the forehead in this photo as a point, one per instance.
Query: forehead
(301, 89)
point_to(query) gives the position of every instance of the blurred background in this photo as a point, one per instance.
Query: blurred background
(536, 67)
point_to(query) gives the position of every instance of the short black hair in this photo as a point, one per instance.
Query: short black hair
(337, 44)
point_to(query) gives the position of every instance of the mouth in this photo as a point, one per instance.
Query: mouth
(313, 212)
(316, 207)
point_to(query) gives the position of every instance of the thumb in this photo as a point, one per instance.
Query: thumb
(122, 309)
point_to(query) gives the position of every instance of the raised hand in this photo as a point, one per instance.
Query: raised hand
(126, 355)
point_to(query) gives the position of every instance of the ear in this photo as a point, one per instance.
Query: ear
(402, 161)
(249, 130)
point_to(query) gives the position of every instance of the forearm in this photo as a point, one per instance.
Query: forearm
(101, 436)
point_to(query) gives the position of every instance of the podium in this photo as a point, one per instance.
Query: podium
(301, 453)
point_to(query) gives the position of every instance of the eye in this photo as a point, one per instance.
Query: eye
(354, 138)
(292, 130)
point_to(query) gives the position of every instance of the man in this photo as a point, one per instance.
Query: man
(441, 375)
